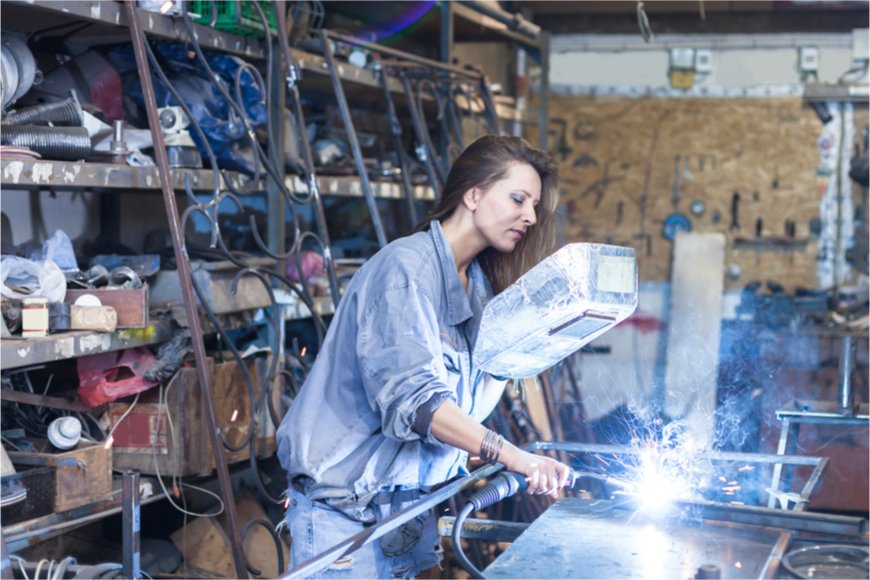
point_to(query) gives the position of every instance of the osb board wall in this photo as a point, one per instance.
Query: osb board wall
(617, 162)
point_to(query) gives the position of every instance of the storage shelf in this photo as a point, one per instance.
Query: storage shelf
(23, 352)
(81, 175)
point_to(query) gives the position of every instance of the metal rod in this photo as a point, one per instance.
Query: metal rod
(190, 305)
(369, 535)
(352, 140)
(132, 525)
(402, 55)
(419, 129)
(513, 21)
(769, 517)
(291, 78)
(846, 406)
(396, 132)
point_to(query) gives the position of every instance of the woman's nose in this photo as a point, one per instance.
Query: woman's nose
(530, 217)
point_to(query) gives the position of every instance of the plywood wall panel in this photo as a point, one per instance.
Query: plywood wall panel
(618, 156)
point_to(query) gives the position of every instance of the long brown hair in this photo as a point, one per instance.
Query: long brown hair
(481, 164)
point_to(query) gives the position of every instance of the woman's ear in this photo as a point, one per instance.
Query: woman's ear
(470, 199)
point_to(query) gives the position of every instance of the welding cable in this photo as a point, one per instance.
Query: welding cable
(502, 486)
(269, 528)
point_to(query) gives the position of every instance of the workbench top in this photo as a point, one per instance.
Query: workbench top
(578, 538)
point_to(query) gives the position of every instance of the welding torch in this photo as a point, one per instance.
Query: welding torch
(500, 487)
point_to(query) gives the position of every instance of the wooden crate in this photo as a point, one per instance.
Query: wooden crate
(83, 475)
(144, 442)
(130, 304)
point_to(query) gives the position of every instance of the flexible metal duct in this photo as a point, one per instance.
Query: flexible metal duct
(67, 143)
(66, 113)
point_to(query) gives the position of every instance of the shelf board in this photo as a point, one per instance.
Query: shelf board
(80, 175)
(352, 187)
(85, 175)
(23, 352)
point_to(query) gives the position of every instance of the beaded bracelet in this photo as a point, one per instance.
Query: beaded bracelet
(490, 446)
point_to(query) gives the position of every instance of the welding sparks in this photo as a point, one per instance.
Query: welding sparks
(108, 442)
(234, 416)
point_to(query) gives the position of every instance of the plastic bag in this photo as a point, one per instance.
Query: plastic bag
(22, 278)
(113, 375)
(59, 249)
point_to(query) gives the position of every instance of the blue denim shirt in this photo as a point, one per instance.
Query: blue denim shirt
(403, 334)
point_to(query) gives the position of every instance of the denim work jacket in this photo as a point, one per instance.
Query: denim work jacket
(403, 334)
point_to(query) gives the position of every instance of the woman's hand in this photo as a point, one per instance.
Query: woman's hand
(544, 475)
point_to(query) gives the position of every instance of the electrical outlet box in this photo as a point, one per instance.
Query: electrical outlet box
(808, 61)
(703, 61)
(682, 59)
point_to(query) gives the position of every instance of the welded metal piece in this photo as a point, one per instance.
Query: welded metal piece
(396, 132)
(420, 133)
(352, 140)
(593, 539)
(564, 302)
(181, 259)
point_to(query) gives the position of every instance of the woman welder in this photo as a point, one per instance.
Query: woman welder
(393, 403)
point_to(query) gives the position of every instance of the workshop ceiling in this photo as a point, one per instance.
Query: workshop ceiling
(698, 16)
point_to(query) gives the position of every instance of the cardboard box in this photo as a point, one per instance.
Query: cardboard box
(130, 304)
(83, 475)
(172, 437)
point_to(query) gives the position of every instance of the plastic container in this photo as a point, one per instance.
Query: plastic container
(237, 16)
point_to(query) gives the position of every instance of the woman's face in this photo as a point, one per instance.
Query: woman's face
(507, 209)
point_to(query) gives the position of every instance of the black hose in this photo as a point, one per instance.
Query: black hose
(457, 542)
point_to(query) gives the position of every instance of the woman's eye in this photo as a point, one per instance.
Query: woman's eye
(517, 198)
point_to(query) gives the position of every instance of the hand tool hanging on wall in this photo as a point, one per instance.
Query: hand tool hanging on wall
(183, 265)
(675, 193)
(352, 139)
(735, 206)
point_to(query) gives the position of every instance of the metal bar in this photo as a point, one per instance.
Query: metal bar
(352, 140)
(513, 21)
(762, 516)
(41, 400)
(396, 132)
(369, 535)
(544, 92)
(274, 191)
(190, 304)
(846, 405)
(404, 56)
(481, 529)
(489, 106)
(291, 78)
(419, 131)
(132, 525)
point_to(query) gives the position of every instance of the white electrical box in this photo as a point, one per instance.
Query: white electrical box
(682, 59)
(704, 61)
(808, 61)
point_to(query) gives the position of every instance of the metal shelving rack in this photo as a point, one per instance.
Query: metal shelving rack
(109, 24)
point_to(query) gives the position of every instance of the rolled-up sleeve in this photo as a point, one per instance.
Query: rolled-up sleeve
(402, 364)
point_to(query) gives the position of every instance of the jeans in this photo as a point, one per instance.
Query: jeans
(315, 527)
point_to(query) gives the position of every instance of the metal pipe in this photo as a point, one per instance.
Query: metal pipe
(66, 143)
(846, 406)
(190, 304)
(513, 21)
(131, 525)
(353, 141)
(404, 56)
